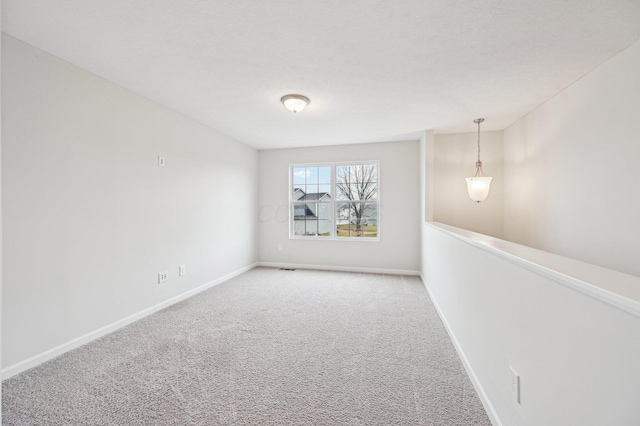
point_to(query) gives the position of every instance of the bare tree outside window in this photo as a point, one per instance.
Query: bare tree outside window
(359, 185)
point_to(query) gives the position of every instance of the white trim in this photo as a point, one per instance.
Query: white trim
(599, 284)
(484, 399)
(21, 366)
(350, 239)
(340, 268)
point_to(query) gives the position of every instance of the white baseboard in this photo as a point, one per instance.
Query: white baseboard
(340, 268)
(21, 366)
(488, 407)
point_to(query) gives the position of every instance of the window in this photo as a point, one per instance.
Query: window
(338, 201)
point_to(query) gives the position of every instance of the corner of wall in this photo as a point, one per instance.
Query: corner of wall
(426, 175)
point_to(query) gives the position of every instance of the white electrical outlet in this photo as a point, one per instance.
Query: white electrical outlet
(163, 276)
(182, 270)
(515, 384)
(279, 247)
(160, 161)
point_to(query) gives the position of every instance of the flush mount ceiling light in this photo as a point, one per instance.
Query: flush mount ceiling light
(295, 103)
(478, 186)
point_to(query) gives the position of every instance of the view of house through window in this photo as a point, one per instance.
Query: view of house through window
(335, 200)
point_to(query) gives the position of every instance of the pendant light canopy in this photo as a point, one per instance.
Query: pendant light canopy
(295, 103)
(478, 186)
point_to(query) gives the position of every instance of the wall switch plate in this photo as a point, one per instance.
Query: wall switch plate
(160, 161)
(514, 381)
(163, 276)
(279, 247)
(182, 270)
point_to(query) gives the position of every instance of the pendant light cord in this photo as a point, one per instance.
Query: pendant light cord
(478, 140)
(479, 171)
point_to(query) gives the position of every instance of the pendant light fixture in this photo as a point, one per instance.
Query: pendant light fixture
(478, 186)
(295, 103)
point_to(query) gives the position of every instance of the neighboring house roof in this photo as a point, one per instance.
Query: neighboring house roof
(302, 211)
(314, 196)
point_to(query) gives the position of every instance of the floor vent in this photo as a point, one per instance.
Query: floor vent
(287, 269)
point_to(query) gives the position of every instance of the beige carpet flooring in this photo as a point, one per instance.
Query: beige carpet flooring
(269, 347)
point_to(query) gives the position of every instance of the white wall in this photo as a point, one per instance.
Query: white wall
(455, 156)
(1, 242)
(399, 245)
(89, 217)
(571, 169)
(576, 355)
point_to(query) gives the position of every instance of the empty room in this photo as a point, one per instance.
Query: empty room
(320, 213)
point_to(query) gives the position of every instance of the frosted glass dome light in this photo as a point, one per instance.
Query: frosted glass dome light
(295, 103)
(478, 186)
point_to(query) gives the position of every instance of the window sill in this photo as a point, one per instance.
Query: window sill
(363, 239)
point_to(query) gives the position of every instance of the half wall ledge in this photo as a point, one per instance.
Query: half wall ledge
(615, 288)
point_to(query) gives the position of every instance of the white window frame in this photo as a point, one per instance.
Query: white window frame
(333, 202)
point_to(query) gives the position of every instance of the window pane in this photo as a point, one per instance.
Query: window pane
(358, 191)
(343, 221)
(299, 176)
(324, 219)
(312, 219)
(325, 189)
(363, 173)
(312, 175)
(343, 191)
(370, 172)
(357, 220)
(299, 222)
(324, 174)
(298, 192)
(304, 219)
(370, 220)
(311, 192)
(342, 174)
(366, 191)
(302, 211)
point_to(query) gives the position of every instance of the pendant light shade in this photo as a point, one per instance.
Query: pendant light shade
(295, 103)
(478, 186)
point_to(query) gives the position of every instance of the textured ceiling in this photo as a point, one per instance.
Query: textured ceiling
(375, 70)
